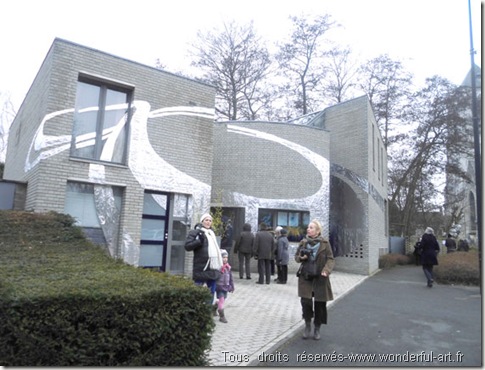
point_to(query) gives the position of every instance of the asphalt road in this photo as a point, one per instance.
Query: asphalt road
(393, 319)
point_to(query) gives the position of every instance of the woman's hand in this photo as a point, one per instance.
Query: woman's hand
(324, 274)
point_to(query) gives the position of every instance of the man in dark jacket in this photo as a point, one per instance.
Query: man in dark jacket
(450, 244)
(263, 250)
(226, 240)
(244, 249)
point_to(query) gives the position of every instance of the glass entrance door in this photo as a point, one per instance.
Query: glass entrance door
(154, 233)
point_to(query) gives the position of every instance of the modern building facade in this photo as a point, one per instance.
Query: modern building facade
(134, 154)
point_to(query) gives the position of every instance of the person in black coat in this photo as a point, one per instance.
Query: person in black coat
(417, 252)
(431, 248)
(463, 245)
(207, 254)
(450, 244)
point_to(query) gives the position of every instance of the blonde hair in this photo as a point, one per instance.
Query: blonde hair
(318, 225)
(429, 230)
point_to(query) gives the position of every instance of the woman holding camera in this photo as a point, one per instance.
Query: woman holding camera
(314, 288)
(207, 261)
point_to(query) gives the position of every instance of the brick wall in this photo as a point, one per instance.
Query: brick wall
(186, 141)
(352, 142)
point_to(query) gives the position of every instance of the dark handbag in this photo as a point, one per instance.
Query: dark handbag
(308, 270)
(418, 248)
(207, 275)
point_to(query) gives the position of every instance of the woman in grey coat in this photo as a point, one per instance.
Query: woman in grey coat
(282, 256)
(315, 292)
(244, 249)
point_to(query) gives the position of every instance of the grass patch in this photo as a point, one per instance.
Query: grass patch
(393, 259)
(461, 268)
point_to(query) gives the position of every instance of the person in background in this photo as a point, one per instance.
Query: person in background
(207, 262)
(224, 285)
(450, 244)
(263, 250)
(417, 252)
(272, 262)
(282, 256)
(463, 245)
(276, 236)
(315, 293)
(244, 249)
(226, 239)
(431, 248)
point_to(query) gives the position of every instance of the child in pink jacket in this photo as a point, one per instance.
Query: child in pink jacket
(224, 285)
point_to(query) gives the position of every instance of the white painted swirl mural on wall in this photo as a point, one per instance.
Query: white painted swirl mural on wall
(148, 168)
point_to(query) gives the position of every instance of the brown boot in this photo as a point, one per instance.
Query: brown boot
(214, 309)
(222, 318)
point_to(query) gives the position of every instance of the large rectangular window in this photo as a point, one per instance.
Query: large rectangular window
(295, 222)
(101, 122)
(89, 204)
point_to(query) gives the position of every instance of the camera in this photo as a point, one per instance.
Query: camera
(305, 252)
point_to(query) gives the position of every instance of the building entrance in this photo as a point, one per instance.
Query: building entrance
(154, 233)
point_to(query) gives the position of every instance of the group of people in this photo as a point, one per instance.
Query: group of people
(268, 249)
(452, 246)
(314, 253)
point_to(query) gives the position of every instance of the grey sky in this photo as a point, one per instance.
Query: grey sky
(430, 36)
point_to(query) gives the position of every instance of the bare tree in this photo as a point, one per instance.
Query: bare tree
(438, 112)
(387, 85)
(340, 77)
(236, 62)
(7, 116)
(159, 64)
(301, 60)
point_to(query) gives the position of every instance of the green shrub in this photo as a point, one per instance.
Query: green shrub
(458, 268)
(393, 259)
(64, 302)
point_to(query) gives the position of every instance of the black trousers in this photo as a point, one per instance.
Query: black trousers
(312, 308)
(283, 273)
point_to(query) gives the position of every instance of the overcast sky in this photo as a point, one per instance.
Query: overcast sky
(430, 36)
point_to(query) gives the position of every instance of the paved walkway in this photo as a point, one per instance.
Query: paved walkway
(393, 319)
(262, 316)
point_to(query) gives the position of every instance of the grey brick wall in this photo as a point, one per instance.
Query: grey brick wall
(208, 152)
(263, 168)
(352, 142)
(186, 141)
